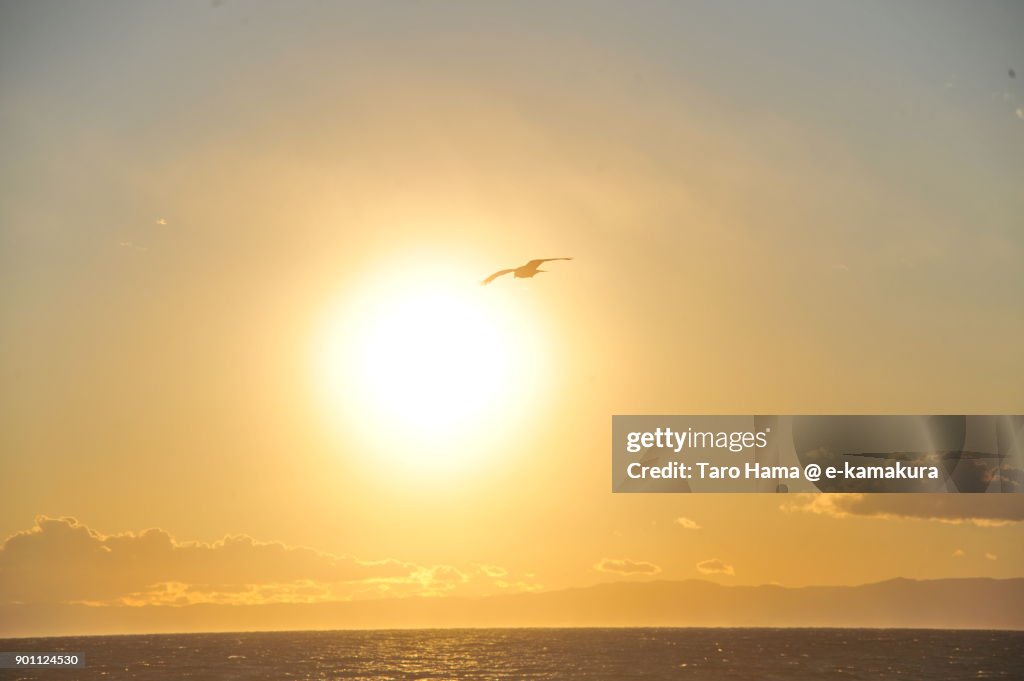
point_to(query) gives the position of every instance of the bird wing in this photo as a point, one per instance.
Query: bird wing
(494, 276)
(540, 261)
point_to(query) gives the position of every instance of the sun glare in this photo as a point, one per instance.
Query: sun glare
(424, 365)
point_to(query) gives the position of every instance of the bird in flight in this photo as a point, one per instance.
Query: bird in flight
(526, 271)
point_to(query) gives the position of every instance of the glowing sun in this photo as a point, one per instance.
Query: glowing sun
(426, 362)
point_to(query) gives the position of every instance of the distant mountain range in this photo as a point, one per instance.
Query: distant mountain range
(898, 603)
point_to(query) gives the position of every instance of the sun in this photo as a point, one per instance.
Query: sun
(432, 359)
(424, 365)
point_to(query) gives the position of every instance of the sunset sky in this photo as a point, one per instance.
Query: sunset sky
(240, 247)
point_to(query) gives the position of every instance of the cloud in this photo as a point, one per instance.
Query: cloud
(161, 221)
(714, 566)
(959, 553)
(687, 523)
(624, 566)
(438, 580)
(991, 556)
(1020, 113)
(62, 560)
(983, 510)
(492, 570)
(130, 244)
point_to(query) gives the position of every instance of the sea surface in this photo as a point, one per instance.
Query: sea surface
(592, 654)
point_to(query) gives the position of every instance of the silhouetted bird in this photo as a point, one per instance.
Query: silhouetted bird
(526, 271)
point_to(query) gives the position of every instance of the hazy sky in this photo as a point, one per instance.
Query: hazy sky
(788, 207)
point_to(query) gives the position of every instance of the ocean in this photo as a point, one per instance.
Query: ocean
(521, 654)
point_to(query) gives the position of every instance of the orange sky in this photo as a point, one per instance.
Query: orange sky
(208, 212)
